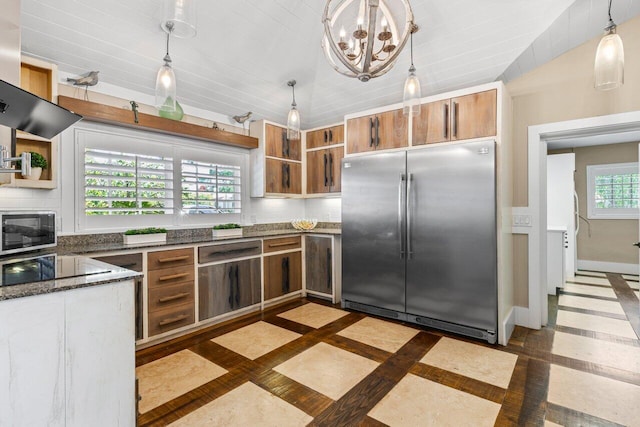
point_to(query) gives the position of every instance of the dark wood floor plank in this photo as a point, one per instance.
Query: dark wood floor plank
(592, 312)
(577, 294)
(218, 354)
(358, 348)
(601, 370)
(299, 395)
(569, 417)
(599, 335)
(371, 422)
(459, 382)
(628, 300)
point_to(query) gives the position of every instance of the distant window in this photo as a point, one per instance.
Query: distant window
(117, 183)
(209, 188)
(613, 191)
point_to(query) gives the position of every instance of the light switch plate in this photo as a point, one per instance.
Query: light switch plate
(522, 221)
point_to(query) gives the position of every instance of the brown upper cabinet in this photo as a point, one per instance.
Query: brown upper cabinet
(283, 177)
(327, 136)
(377, 132)
(465, 117)
(278, 145)
(324, 170)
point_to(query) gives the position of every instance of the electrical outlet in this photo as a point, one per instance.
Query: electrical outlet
(522, 220)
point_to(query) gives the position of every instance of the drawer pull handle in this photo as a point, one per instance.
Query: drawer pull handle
(173, 259)
(172, 276)
(171, 320)
(230, 251)
(277, 245)
(173, 297)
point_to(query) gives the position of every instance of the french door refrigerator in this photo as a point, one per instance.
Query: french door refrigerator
(419, 237)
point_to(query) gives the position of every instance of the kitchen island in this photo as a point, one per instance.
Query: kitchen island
(67, 348)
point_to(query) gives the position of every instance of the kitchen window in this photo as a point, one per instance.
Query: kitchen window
(132, 179)
(613, 191)
(209, 188)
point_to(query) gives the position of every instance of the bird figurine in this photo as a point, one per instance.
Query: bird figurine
(89, 79)
(243, 118)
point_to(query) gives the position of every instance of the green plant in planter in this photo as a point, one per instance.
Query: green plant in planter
(37, 161)
(150, 230)
(226, 226)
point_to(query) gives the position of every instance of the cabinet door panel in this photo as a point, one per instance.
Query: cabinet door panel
(392, 130)
(214, 290)
(317, 138)
(432, 125)
(278, 145)
(283, 177)
(474, 116)
(335, 169)
(283, 274)
(247, 282)
(318, 264)
(336, 134)
(361, 134)
(275, 140)
(317, 171)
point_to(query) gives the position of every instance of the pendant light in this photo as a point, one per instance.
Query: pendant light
(181, 14)
(412, 93)
(609, 64)
(293, 120)
(166, 81)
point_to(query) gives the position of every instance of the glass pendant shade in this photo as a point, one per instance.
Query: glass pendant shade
(412, 94)
(609, 64)
(182, 14)
(293, 123)
(166, 89)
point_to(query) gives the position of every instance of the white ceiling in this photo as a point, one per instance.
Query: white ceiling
(246, 50)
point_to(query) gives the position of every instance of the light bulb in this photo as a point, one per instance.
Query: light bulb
(412, 94)
(360, 21)
(384, 24)
(343, 33)
(166, 80)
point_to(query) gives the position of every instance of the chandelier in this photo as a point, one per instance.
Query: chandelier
(363, 38)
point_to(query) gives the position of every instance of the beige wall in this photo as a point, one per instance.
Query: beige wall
(563, 90)
(611, 239)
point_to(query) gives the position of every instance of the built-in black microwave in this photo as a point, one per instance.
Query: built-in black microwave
(27, 231)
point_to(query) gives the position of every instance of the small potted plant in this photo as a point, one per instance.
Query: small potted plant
(38, 163)
(227, 230)
(145, 235)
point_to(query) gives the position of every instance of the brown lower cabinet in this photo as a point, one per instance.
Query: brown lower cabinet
(282, 274)
(227, 287)
(318, 264)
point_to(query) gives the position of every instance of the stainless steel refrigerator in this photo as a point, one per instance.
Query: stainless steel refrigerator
(419, 237)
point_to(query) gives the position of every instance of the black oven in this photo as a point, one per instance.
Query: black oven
(27, 231)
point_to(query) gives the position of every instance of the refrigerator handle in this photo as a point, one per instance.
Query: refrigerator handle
(401, 205)
(408, 198)
(577, 210)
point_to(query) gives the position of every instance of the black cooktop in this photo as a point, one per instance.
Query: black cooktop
(25, 269)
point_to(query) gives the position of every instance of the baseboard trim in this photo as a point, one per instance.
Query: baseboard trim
(508, 325)
(522, 317)
(608, 267)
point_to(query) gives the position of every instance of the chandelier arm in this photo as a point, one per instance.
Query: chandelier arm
(373, 6)
(336, 51)
(392, 58)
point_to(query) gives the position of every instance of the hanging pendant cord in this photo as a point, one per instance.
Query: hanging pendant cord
(169, 26)
(610, 1)
(293, 89)
(411, 44)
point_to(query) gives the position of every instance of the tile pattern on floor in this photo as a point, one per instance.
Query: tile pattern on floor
(256, 339)
(308, 362)
(314, 315)
(165, 379)
(378, 333)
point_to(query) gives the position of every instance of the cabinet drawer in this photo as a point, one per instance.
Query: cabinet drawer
(282, 244)
(172, 258)
(228, 251)
(170, 276)
(170, 296)
(171, 318)
(129, 261)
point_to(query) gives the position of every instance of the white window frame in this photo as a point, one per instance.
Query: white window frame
(608, 213)
(113, 138)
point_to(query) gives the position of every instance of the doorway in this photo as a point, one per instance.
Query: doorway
(624, 127)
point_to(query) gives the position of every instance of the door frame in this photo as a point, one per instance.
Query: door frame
(537, 313)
